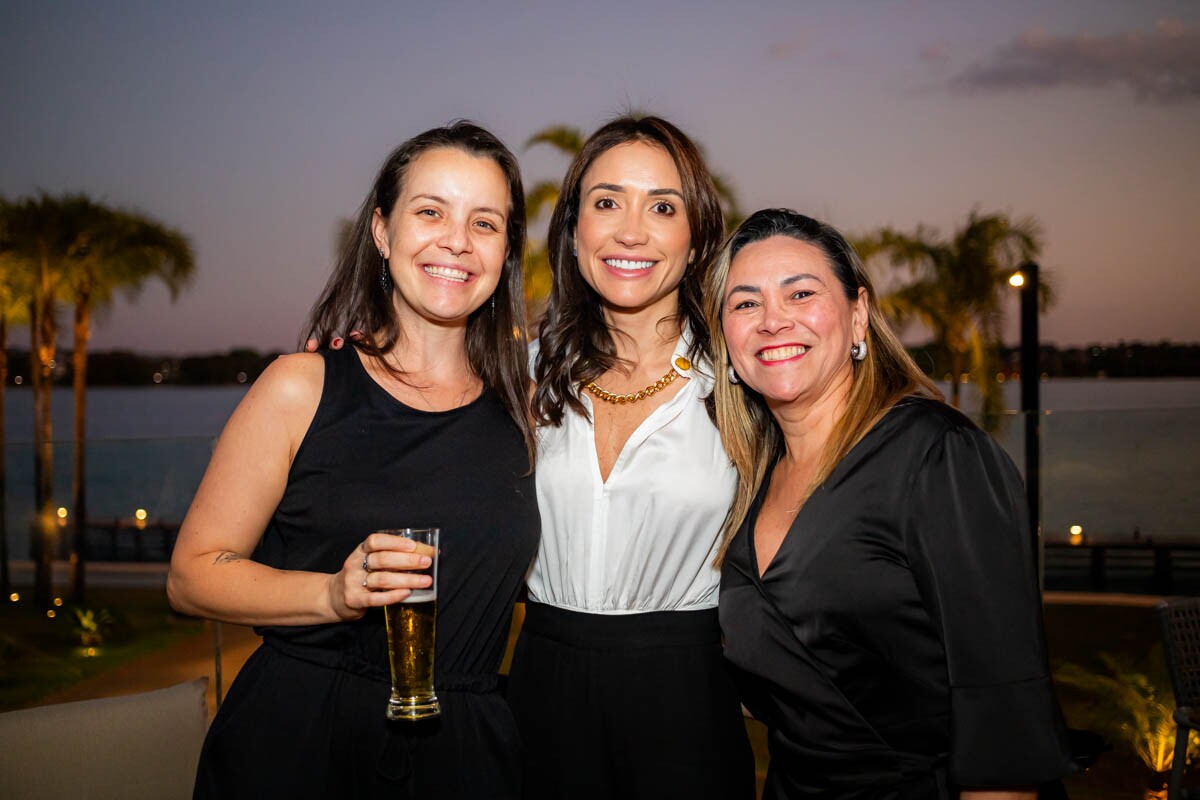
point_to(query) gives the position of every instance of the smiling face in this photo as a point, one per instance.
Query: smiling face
(445, 238)
(632, 240)
(787, 322)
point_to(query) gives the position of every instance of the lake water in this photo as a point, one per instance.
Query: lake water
(1118, 456)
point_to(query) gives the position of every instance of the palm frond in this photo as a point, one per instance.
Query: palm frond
(564, 138)
(541, 197)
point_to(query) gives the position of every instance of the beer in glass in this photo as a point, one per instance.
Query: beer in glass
(411, 629)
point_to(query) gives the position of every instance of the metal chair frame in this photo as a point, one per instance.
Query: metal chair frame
(1180, 618)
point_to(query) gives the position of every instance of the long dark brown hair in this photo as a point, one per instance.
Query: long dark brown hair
(353, 299)
(576, 344)
(748, 430)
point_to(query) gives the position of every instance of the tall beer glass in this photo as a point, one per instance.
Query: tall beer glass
(411, 628)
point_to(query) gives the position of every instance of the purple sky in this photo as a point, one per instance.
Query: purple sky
(255, 129)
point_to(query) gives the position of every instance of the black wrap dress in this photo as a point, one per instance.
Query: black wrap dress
(894, 645)
(305, 717)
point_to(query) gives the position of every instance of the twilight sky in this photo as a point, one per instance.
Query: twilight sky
(253, 129)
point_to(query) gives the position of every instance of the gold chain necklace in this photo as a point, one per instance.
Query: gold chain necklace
(632, 397)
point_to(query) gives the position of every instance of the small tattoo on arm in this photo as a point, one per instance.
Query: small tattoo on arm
(227, 557)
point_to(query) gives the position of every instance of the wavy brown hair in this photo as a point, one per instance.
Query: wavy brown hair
(748, 430)
(353, 299)
(576, 343)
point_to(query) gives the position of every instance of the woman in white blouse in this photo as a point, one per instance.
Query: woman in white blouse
(618, 680)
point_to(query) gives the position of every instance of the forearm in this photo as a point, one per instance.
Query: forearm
(229, 587)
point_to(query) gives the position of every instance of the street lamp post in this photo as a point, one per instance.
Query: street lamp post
(1031, 407)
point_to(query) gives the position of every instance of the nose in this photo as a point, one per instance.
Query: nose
(455, 236)
(631, 231)
(774, 317)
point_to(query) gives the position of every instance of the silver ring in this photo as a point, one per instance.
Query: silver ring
(366, 566)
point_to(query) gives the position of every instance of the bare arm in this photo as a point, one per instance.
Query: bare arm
(211, 572)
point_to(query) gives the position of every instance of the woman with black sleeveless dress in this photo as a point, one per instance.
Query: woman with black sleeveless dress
(422, 422)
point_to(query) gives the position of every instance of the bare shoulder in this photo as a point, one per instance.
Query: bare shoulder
(292, 382)
(286, 394)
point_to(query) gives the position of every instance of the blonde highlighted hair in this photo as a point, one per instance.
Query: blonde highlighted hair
(749, 432)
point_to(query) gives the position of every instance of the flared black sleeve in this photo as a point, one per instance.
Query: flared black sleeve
(970, 548)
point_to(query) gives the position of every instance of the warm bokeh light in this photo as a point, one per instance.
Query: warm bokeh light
(1016, 279)
(15, 597)
(1076, 534)
(140, 515)
(62, 513)
(58, 602)
(51, 614)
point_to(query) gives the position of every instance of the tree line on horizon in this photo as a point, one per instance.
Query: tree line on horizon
(72, 251)
(243, 365)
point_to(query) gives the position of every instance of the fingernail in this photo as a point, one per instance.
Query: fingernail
(426, 561)
(337, 342)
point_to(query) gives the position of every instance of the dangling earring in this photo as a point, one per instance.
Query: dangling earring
(733, 378)
(858, 350)
(493, 309)
(385, 280)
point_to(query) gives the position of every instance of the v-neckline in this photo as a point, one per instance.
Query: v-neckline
(752, 523)
(756, 506)
(603, 481)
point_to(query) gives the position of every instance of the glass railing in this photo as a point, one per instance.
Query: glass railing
(138, 491)
(1126, 480)
(1120, 507)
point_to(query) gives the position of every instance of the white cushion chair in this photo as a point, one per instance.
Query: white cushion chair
(137, 746)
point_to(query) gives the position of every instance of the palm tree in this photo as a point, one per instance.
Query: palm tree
(958, 290)
(544, 195)
(39, 232)
(11, 310)
(73, 248)
(538, 200)
(114, 250)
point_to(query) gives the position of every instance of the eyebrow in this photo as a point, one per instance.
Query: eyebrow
(743, 287)
(788, 281)
(614, 187)
(443, 201)
(797, 278)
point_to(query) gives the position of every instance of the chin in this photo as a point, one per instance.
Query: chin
(446, 316)
(630, 301)
(779, 394)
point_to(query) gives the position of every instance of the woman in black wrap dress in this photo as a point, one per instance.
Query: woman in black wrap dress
(878, 594)
(423, 422)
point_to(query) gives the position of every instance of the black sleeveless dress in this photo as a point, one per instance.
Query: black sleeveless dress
(305, 717)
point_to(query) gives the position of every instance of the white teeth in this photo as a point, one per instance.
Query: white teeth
(449, 273)
(620, 263)
(780, 353)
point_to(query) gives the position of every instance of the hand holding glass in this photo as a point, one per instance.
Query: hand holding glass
(411, 629)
